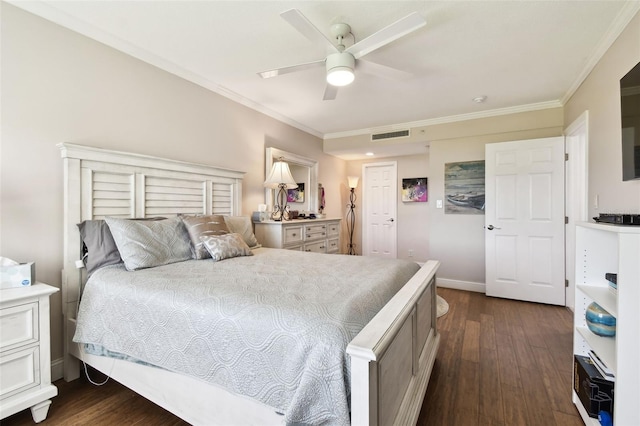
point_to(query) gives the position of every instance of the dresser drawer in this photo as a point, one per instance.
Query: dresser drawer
(333, 245)
(20, 370)
(292, 234)
(316, 235)
(19, 325)
(319, 247)
(333, 229)
(314, 232)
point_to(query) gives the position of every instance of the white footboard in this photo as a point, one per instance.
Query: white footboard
(392, 357)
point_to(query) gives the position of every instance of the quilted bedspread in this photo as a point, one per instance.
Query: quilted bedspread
(273, 326)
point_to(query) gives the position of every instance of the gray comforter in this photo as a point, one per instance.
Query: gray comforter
(273, 326)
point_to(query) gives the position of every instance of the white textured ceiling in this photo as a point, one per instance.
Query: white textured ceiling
(520, 54)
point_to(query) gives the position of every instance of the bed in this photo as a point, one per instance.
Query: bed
(390, 345)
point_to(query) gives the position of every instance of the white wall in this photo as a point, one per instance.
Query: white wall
(58, 86)
(600, 95)
(457, 241)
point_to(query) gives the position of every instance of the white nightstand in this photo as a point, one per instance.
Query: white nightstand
(25, 351)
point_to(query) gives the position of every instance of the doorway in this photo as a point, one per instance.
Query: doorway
(577, 207)
(379, 209)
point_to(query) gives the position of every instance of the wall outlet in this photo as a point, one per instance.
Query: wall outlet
(410, 253)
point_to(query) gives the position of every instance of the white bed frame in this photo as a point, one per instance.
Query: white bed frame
(391, 358)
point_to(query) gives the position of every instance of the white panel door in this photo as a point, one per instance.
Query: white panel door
(524, 220)
(380, 198)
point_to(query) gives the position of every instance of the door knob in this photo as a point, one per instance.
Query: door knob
(491, 227)
(390, 220)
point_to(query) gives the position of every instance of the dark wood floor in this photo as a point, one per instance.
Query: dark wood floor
(501, 362)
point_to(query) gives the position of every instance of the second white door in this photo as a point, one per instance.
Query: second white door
(524, 220)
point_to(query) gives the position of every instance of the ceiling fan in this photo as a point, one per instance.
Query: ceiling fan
(341, 62)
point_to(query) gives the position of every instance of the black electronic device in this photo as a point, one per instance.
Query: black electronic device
(618, 219)
(630, 120)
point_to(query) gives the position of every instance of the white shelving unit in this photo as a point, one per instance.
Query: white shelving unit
(600, 249)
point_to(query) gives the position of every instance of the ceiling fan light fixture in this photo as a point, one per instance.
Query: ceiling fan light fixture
(340, 69)
(340, 76)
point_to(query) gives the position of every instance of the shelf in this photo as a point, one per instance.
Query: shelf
(605, 347)
(588, 421)
(603, 296)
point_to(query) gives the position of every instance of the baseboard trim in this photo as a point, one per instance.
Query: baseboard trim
(461, 285)
(57, 369)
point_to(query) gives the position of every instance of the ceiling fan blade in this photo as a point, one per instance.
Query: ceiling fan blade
(388, 34)
(307, 29)
(380, 70)
(286, 70)
(330, 93)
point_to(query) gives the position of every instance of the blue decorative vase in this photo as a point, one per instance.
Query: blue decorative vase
(599, 321)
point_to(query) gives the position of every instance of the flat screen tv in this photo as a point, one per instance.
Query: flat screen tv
(630, 108)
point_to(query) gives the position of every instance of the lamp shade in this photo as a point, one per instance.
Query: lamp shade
(353, 181)
(280, 174)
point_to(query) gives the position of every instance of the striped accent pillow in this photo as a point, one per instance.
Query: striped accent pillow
(202, 226)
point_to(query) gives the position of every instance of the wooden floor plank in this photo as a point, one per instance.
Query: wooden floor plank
(471, 342)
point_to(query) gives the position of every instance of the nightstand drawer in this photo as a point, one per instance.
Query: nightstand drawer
(20, 370)
(292, 234)
(19, 325)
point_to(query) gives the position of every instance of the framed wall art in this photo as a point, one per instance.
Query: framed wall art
(296, 195)
(414, 190)
(464, 187)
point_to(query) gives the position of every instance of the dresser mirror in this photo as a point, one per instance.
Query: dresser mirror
(304, 170)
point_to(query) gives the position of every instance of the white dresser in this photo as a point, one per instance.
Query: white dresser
(312, 235)
(25, 351)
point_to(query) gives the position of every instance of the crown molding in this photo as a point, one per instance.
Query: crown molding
(55, 15)
(449, 119)
(627, 13)
(46, 11)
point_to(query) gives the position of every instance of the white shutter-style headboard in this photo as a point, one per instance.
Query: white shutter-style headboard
(99, 183)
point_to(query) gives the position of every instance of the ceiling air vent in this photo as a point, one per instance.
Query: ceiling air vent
(390, 135)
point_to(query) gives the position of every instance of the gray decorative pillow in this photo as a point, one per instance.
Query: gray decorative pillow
(226, 246)
(200, 226)
(149, 244)
(101, 249)
(242, 225)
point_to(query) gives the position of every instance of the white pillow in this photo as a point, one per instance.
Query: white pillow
(225, 246)
(149, 244)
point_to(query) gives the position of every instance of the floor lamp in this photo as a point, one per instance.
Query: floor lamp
(280, 178)
(351, 214)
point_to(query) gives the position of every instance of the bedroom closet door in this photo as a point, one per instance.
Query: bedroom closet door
(524, 220)
(379, 207)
